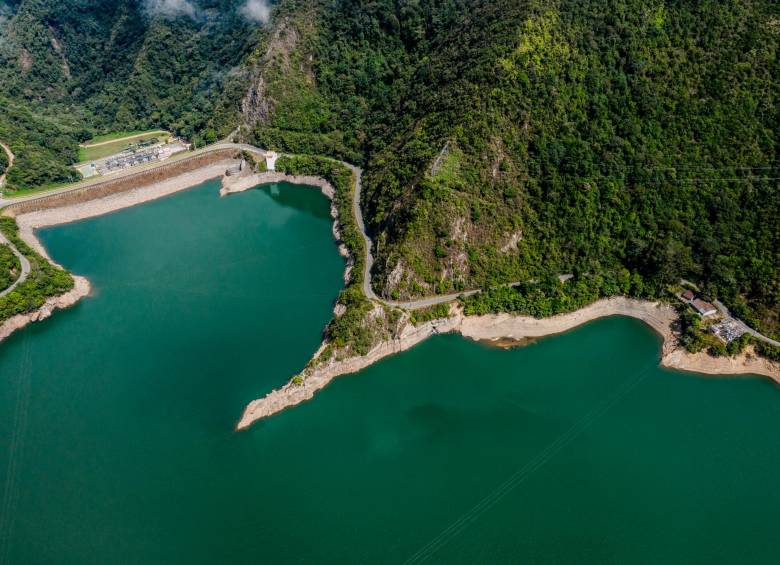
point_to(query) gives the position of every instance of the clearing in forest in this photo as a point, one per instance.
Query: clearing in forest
(113, 143)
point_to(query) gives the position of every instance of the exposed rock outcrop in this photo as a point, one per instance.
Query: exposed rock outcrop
(257, 105)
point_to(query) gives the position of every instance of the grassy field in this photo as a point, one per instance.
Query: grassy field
(113, 136)
(109, 144)
(117, 135)
(93, 180)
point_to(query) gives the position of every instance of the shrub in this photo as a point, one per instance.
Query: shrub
(45, 280)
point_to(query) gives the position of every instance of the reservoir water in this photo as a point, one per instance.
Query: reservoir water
(117, 441)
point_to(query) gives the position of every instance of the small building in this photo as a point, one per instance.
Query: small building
(704, 308)
(270, 160)
(688, 296)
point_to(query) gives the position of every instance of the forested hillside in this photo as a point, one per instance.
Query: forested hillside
(505, 141)
(72, 68)
(629, 142)
(3, 162)
(43, 145)
(124, 62)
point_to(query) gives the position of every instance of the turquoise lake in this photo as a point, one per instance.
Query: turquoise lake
(116, 420)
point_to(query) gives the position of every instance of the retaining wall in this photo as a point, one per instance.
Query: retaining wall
(122, 184)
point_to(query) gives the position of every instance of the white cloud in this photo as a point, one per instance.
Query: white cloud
(172, 8)
(256, 10)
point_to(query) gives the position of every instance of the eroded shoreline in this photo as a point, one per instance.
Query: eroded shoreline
(30, 221)
(659, 316)
(505, 328)
(81, 288)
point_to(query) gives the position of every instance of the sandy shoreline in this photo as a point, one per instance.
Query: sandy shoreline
(81, 288)
(241, 183)
(503, 328)
(659, 316)
(292, 394)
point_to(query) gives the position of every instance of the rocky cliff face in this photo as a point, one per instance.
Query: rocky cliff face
(257, 104)
(280, 70)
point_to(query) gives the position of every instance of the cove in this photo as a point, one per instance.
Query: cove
(116, 420)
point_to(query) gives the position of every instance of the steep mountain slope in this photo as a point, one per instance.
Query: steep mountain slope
(86, 66)
(631, 143)
(43, 145)
(125, 62)
(505, 141)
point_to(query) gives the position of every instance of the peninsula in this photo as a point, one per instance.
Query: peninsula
(392, 326)
(492, 170)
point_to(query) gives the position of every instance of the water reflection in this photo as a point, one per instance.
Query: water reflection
(297, 197)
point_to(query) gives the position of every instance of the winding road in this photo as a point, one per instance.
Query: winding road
(368, 289)
(357, 210)
(4, 241)
(358, 214)
(356, 207)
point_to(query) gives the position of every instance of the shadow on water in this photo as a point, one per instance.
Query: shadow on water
(296, 197)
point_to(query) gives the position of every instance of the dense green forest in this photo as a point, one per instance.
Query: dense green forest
(72, 69)
(3, 162)
(43, 145)
(124, 65)
(44, 281)
(502, 141)
(9, 267)
(507, 141)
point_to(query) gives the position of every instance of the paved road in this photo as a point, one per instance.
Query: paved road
(747, 329)
(22, 260)
(369, 263)
(122, 174)
(368, 290)
(357, 210)
(4, 241)
(445, 298)
(367, 287)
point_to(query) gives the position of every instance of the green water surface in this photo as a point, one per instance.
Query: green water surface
(116, 420)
